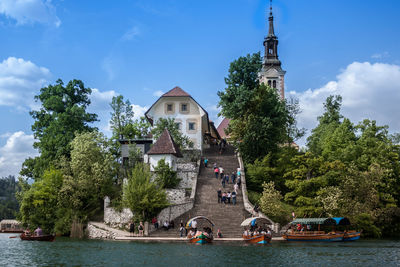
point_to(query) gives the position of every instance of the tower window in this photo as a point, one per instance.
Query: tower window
(274, 84)
(269, 83)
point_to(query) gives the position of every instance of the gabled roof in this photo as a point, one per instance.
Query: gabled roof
(165, 145)
(176, 91)
(222, 126)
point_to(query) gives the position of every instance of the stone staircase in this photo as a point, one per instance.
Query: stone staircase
(226, 217)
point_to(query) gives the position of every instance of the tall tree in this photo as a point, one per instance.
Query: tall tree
(259, 119)
(141, 195)
(62, 115)
(121, 118)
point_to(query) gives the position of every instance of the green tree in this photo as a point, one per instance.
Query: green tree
(62, 115)
(8, 202)
(142, 196)
(88, 179)
(328, 123)
(40, 202)
(259, 118)
(180, 139)
(121, 118)
(165, 176)
(271, 204)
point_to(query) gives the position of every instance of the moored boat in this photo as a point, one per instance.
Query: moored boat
(313, 236)
(351, 235)
(306, 230)
(37, 238)
(200, 237)
(258, 234)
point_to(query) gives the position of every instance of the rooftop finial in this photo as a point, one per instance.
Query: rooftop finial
(270, 7)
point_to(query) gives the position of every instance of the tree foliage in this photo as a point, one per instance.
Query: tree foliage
(71, 190)
(271, 204)
(62, 115)
(349, 170)
(165, 176)
(169, 123)
(40, 202)
(143, 197)
(259, 119)
(121, 118)
(8, 202)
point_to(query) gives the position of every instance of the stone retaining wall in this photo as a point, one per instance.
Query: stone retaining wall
(94, 232)
(176, 196)
(247, 205)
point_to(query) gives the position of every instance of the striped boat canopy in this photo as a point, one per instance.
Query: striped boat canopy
(328, 221)
(252, 221)
(189, 223)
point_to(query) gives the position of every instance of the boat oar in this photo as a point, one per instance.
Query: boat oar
(14, 236)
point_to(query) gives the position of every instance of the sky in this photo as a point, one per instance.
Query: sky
(143, 48)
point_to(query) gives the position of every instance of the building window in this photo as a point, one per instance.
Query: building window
(192, 126)
(169, 108)
(184, 107)
(274, 84)
(269, 83)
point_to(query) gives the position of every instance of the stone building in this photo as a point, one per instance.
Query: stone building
(191, 118)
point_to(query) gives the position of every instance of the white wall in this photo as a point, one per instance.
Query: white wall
(170, 159)
(195, 113)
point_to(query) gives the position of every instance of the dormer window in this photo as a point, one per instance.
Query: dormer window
(169, 107)
(184, 107)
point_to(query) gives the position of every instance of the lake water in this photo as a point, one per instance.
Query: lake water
(70, 252)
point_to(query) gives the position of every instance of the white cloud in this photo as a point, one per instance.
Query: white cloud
(131, 33)
(139, 110)
(158, 93)
(380, 55)
(30, 11)
(17, 148)
(20, 80)
(369, 91)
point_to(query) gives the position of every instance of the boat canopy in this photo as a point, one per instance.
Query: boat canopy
(252, 221)
(341, 220)
(327, 221)
(189, 223)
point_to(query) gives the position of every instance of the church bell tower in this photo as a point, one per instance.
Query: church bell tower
(271, 72)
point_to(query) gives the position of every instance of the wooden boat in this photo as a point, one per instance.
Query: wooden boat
(319, 236)
(306, 235)
(37, 238)
(200, 237)
(258, 238)
(349, 235)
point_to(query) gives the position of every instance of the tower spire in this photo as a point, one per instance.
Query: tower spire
(271, 72)
(271, 21)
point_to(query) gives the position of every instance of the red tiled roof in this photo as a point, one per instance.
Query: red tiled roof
(222, 126)
(177, 91)
(165, 145)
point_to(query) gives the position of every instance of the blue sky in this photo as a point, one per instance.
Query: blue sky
(142, 48)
